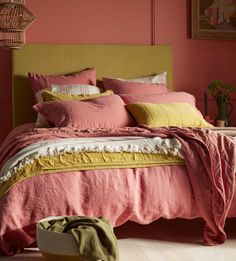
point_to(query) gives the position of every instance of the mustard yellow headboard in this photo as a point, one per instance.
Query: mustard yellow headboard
(126, 61)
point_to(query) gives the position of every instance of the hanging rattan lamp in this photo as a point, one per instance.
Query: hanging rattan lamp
(15, 18)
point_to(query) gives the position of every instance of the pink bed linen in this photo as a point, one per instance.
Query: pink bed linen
(147, 194)
(165, 191)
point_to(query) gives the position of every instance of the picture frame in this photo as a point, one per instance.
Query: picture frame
(213, 19)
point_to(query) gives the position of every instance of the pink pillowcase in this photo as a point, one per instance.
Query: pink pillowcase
(120, 86)
(103, 112)
(169, 97)
(39, 81)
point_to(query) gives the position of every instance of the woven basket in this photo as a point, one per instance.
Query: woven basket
(15, 17)
(57, 246)
(13, 1)
(13, 40)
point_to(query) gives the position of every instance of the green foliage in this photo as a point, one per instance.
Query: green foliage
(220, 91)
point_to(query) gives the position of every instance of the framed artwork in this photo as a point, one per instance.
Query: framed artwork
(213, 19)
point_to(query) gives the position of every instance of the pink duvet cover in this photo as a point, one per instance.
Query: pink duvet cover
(142, 195)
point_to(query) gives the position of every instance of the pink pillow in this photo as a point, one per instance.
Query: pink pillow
(104, 112)
(120, 86)
(39, 81)
(169, 97)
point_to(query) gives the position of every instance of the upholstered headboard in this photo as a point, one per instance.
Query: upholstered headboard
(126, 61)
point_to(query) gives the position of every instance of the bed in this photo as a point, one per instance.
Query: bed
(140, 193)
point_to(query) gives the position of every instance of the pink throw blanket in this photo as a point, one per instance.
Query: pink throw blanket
(210, 160)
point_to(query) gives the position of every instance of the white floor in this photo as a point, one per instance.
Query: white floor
(164, 240)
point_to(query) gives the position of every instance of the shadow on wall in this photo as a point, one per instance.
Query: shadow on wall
(23, 92)
(5, 92)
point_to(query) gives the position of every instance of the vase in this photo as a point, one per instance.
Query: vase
(223, 112)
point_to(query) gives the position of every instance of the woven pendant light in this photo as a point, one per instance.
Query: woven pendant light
(15, 18)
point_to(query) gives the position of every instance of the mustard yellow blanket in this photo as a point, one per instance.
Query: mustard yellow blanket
(85, 161)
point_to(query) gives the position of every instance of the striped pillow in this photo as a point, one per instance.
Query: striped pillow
(75, 89)
(158, 79)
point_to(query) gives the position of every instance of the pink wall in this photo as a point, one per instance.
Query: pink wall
(196, 62)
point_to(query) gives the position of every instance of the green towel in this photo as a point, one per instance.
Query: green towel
(95, 237)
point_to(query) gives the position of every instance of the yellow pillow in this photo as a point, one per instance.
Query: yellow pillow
(165, 115)
(51, 96)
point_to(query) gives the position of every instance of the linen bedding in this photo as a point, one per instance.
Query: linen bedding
(192, 174)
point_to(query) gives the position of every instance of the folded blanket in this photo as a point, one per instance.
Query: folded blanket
(95, 237)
